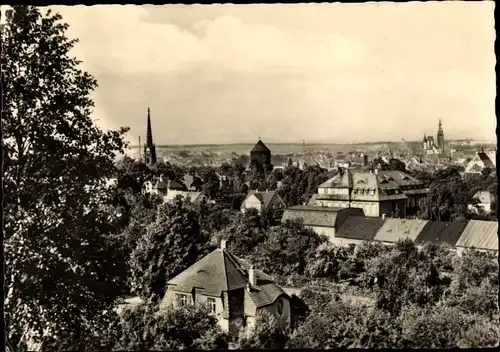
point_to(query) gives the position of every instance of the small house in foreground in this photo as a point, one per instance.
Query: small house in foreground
(232, 289)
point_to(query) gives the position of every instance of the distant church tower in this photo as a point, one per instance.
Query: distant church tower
(149, 147)
(440, 137)
(260, 156)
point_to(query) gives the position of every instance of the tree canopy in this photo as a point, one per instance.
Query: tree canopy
(62, 267)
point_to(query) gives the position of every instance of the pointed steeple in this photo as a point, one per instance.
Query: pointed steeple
(440, 127)
(149, 147)
(149, 133)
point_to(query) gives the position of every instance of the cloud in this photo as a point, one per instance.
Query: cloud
(335, 72)
(120, 39)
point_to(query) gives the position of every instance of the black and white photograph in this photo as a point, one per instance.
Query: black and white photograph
(249, 176)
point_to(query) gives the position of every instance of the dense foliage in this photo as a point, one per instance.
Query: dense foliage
(62, 269)
(167, 247)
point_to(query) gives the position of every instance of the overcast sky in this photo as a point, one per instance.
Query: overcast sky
(326, 73)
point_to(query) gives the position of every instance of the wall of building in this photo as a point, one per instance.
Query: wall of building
(325, 231)
(389, 207)
(252, 203)
(284, 319)
(345, 242)
(371, 209)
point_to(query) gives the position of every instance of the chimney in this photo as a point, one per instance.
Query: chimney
(383, 216)
(376, 171)
(251, 276)
(223, 244)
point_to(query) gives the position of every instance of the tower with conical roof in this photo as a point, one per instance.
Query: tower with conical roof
(260, 155)
(440, 137)
(149, 147)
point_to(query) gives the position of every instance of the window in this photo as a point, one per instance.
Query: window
(212, 307)
(182, 299)
(279, 307)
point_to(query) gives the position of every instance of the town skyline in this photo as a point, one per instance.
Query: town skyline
(330, 73)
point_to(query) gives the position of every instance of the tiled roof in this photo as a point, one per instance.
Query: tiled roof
(343, 180)
(394, 230)
(316, 216)
(479, 234)
(361, 228)
(220, 271)
(400, 178)
(264, 197)
(446, 233)
(260, 147)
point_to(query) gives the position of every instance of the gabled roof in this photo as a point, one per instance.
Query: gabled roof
(317, 216)
(264, 197)
(260, 147)
(220, 271)
(394, 230)
(479, 234)
(398, 177)
(361, 228)
(445, 233)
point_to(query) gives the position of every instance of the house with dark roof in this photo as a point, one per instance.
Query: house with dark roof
(394, 230)
(232, 289)
(442, 233)
(357, 229)
(376, 192)
(480, 235)
(262, 201)
(323, 220)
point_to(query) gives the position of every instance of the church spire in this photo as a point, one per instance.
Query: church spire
(149, 135)
(149, 147)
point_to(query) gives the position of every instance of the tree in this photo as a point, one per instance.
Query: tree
(169, 246)
(244, 233)
(148, 328)
(445, 327)
(408, 275)
(342, 325)
(62, 269)
(264, 334)
(287, 250)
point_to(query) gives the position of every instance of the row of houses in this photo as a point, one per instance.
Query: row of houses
(349, 227)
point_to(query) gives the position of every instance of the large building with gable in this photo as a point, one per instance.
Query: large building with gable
(378, 193)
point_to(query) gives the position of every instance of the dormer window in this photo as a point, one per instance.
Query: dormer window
(390, 179)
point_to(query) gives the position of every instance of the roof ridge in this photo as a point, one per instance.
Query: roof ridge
(236, 264)
(225, 271)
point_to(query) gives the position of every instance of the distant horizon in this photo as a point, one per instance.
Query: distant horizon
(472, 141)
